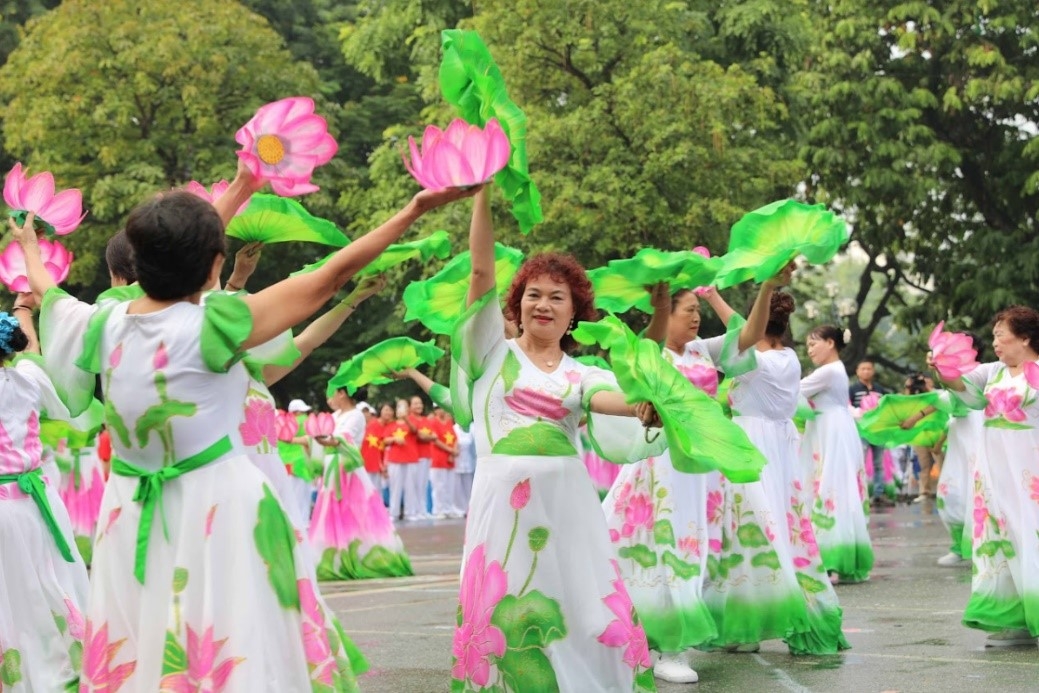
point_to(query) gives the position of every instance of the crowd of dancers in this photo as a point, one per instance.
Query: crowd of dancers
(208, 516)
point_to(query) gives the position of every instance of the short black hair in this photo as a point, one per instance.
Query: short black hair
(18, 342)
(119, 257)
(175, 236)
(834, 334)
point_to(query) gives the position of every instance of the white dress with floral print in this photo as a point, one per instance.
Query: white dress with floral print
(543, 606)
(1005, 505)
(831, 448)
(227, 601)
(956, 482)
(41, 593)
(657, 518)
(763, 404)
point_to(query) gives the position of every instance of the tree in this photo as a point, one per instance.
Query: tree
(122, 99)
(923, 121)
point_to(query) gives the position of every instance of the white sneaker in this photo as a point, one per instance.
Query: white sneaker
(953, 560)
(1015, 637)
(673, 667)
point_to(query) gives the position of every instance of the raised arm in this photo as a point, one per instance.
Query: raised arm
(237, 193)
(319, 331)
(481, 247)
(754, 330)
(40, 279)
(420, 379)
(660, 298)
(292, 300)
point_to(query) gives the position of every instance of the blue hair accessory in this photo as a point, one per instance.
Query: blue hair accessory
(8, 324)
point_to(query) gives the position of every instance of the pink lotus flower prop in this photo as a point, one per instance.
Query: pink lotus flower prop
(283, 144)
(62, 212)
(286, 426)
(952, 353)
(320, 424)
(56, 258)
(211, 195)
(869, 401)
(461, 156)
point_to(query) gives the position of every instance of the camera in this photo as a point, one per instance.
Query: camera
(915, 383)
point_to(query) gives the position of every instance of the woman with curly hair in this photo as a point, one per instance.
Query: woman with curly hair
(543, 606)
(1004, 596)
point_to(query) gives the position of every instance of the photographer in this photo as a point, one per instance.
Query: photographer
(930, 458)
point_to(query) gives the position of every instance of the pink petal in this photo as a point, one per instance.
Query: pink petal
(430, 138)
(13, 185)
(292, 189)
(38, 191)
(932, 340)
(498, 149)
(65, 211)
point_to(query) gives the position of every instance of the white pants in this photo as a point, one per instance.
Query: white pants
(400, 475)
(415, 490)
(377, 479)
(445, 491)
(465, 489)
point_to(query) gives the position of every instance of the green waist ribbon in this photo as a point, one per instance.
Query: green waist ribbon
(31, 484)
(149, 493)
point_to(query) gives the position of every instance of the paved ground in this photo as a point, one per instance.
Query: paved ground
(904, 625)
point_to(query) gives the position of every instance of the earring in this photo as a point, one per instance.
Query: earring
(570, 328)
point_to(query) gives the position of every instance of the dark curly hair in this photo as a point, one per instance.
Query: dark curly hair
(561, 268)
(834, 334)
(779, 311)
(1023, 322)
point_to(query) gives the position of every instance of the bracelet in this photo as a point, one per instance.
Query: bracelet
(231, 287)
(22, 307)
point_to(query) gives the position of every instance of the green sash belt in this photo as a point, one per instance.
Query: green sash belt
(31, 484)
(149, 493)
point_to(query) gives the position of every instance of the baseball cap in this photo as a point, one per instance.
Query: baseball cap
(298, 405)
(364, 406)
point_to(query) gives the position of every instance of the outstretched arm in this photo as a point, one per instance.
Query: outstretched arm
(422, 380)
(481, 247)
(754, 330)
(39, 278)
(292, 300)
(319, 331)
(660, 298)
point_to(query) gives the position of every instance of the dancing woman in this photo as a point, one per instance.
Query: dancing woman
(198, 575)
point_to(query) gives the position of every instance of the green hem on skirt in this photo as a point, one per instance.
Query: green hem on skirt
(824, 635)
(956, 534)
(852, 562)
(346, 564)
(677, 629)
(993, 614)
(742, 622)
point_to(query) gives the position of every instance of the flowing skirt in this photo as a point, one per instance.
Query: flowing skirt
(832, 449)
(351, 529)
(227, 602)
(82, 487)
(657, 519)
(789, 490)
(41, 599)
(543, 605)
(954, 483)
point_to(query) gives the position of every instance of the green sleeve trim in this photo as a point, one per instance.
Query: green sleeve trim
(90, 358)
(226, 325)
(121, 294)
(465, 318)
(441, 395)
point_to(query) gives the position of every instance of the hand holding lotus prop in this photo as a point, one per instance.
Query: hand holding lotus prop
(59, 213)
(952, 353)
(14, 273)
(461, 156)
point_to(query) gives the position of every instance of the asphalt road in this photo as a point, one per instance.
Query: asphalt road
(903, 625)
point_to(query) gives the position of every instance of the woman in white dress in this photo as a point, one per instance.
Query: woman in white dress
(1004, 595)
(198, 579)
(542, 603)
(43, 581)
(832, 449)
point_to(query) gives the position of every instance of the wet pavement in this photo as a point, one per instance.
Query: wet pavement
(903, 625)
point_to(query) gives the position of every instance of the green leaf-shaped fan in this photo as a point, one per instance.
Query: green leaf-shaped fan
(700, 438)
(471, 82)
(438, 301)
(595, 362)
(274, 219)
(436, 244)
(764, 241)
(883, 424)
(376, 364)
(622, 284)
(77, 433)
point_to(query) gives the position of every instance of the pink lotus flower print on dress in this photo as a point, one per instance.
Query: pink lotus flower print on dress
(1031, 372)
(458, 157)
(483, 586)
(704, 377)
(98, 676)
(283, 144)
(980, 515)
(319, 425)
(161, 359)
(203, 674)
(534, 404)
(1034, 488)
(260, 422)
(56, 259)
(63, 211)
(1005, 402)
(714, 506)
(520, 495)
(318, 651)
(624, 631)
(638, 514)
(952, 353)
(116, 356)
(77, 628)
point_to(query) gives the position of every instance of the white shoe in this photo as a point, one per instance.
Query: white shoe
(441, 516)
(1015, 637)
(673, 667)
(953, 560)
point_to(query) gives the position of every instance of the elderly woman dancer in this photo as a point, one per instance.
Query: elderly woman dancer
(1004, 595)
(43, 581)
(543, 606)
(198, 579)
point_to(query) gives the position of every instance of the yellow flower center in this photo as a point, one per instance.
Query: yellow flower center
(270, 149)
